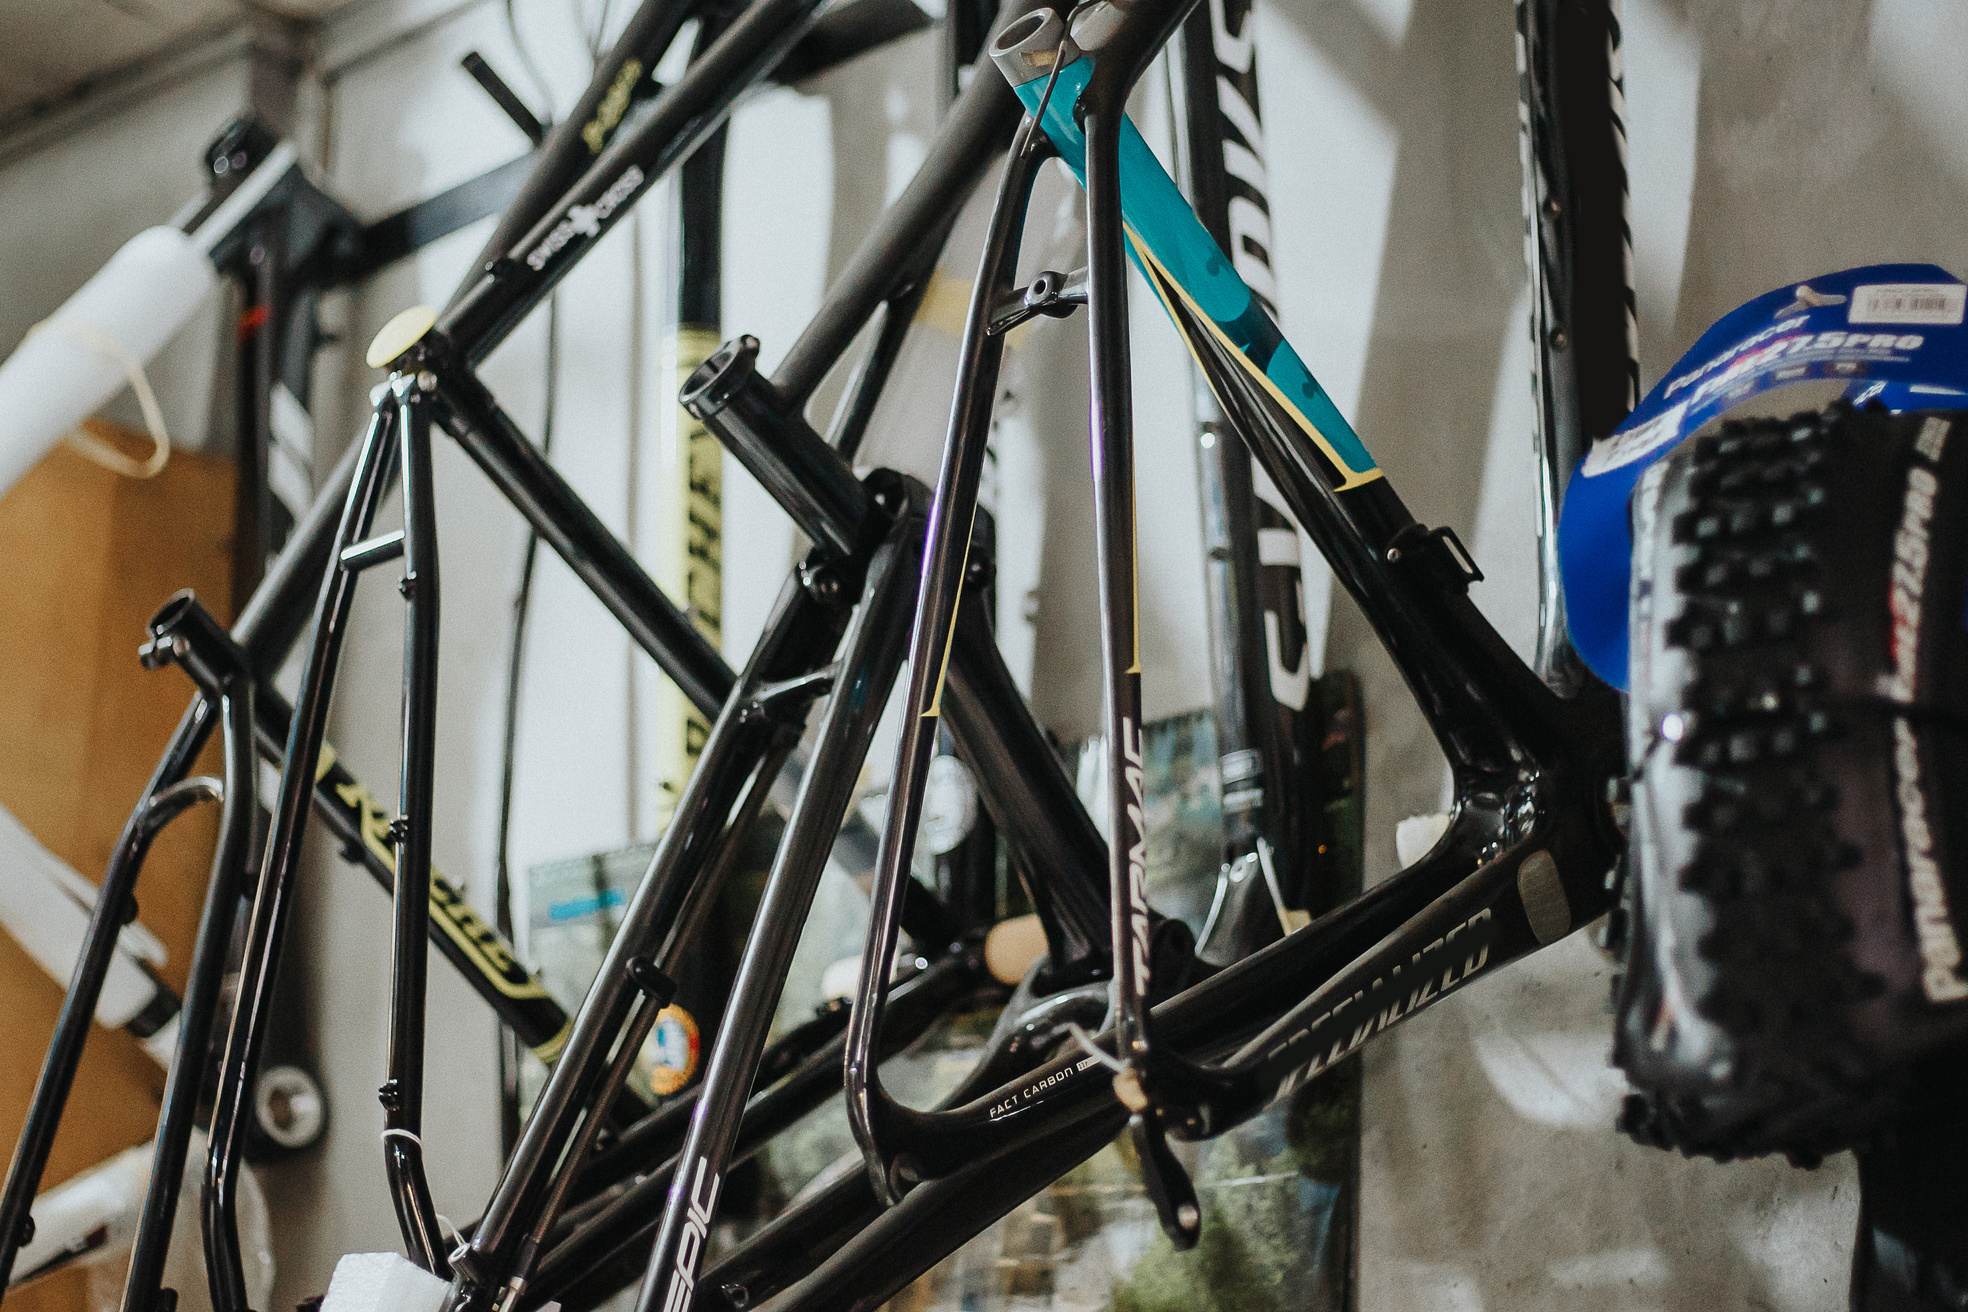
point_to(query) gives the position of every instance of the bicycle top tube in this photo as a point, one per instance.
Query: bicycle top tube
(1174, 252)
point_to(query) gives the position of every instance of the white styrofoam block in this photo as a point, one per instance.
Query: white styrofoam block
(382, 1282)
(58, 376)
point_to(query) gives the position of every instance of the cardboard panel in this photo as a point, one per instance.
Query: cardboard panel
(89, 556)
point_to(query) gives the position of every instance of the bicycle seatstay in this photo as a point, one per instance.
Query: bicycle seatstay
(403, 1089)
(271, 901)
(219, 668)
(945, 549)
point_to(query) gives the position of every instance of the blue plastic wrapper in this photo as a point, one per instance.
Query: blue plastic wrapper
(1892, 332)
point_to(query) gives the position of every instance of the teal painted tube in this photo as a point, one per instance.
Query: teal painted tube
(1177, 256)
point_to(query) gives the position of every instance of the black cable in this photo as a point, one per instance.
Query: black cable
(509, 1059)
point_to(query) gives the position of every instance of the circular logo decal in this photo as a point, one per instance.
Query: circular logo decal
(671, 1050)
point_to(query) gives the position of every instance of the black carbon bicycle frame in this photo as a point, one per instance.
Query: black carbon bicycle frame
(1532, 813)
(1530, 850)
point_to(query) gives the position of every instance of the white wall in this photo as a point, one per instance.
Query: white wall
(1768, 142)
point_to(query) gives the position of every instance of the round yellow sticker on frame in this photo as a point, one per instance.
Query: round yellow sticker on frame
(399, 335)
(671, 1050)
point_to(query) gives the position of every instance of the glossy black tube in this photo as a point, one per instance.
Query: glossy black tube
(403, 1091)
(1584, 334)
(572, 144)
(1143, 1074)
(808, 478)
(182, 1087)
(890, 256)
(571, 1178)
(578, 536)
(267, 922)
(642, 1019)
(791, 1244)
(673, 125)
(891, 1249)
(1112, 458)
(113, 908)
(799, 638)
(875, 644)
(618, 1230)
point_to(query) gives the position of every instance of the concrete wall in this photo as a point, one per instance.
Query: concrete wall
(66, 208)
(1770, 140)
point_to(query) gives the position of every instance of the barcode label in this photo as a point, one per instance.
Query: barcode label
(1624, 448)
(1923, 302)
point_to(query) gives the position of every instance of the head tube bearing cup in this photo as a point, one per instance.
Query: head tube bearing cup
(1027, 49)
(402, 332)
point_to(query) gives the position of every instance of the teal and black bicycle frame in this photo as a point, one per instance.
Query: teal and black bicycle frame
(1527, 853)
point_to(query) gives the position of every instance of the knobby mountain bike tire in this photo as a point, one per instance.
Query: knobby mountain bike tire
(1799, 721)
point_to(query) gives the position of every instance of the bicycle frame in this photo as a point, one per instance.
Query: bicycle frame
(1520, 866)
(1532, 838)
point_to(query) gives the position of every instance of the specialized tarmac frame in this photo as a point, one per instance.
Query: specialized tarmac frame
(1526, 859)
